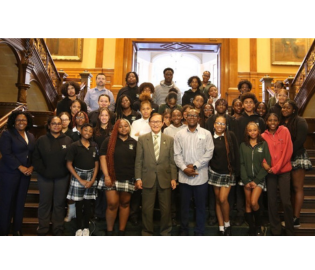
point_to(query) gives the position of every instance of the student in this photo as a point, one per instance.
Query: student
(175, 126)
(273, 100)
(102, 131)
(300, 161)
(253, 152)
(103, 102)
(69, 90)
(212, 95)
(141, 126)
(282, 98)
(80, 118)
(65, 121)
(221, 107)
(248, 115)
(83, 163)
(176, 123)
(198, 102)
(131, 89)
(146, 91)
(117, 157)
(281, 149)
(261, 109)
(170, 102)
(52, 176)
(167, 118)
(75, 106)
(185, 110)
(224, 166)
(237, 108)
(206, 83)
(103, 126)
(188, 97)
(124, 110)
(244, 86)
(208, 110)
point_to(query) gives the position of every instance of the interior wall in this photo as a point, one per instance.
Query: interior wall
(8, 74)
(35, 98)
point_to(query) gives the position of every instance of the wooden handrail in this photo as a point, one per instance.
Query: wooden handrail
(4, 119)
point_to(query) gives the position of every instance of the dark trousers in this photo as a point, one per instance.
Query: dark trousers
(83, 213)
(174, 202)
(100, 204)
(283, 181)
(148, 201)
(135, 203)
(13, 192)
(199, 193)
(52, 196)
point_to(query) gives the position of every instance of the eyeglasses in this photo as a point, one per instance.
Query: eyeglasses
(192, 115)
(220, 124)
(155, 122)
(55, 124)
(80, 118)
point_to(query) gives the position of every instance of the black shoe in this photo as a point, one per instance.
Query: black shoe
(17, 233)
(183, 233)
(198, 234)
(99, 218)
(238, 221)
(121, 233)
(212, 220)
(221, 233)
(252, 232)
(174, 222)
(59, 233)
(110, 233)
(258, 231)
(227, 231)
(134, 221)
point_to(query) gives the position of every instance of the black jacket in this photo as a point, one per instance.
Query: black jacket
(49, 156)
(189, 95)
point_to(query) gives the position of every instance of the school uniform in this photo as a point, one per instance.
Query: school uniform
(124, 160)
(93, 116)
(132, 117)
(15, 151)
(53, 178)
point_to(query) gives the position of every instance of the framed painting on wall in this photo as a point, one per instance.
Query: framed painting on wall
(288, 51)
(65, 49)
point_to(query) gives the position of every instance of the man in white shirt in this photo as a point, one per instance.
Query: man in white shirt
(193, 149)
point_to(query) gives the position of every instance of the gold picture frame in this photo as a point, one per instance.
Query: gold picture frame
(288, 51)
(65, 49)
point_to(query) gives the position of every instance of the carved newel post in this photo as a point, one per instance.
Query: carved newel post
(289, 81)
(25, 70)
(266, 85)
(86, 79)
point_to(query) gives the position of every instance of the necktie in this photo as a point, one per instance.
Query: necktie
(156, 147)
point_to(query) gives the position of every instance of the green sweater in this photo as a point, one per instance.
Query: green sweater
(251, 162)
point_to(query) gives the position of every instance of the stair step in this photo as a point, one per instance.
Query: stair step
(309, 189)
(309, 202)
(310, 152)
(32, 196)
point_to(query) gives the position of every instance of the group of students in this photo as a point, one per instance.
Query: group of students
(256, 148)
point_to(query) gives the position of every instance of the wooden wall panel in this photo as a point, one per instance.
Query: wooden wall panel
(75, 73)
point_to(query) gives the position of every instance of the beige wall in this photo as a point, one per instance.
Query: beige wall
(89, 55)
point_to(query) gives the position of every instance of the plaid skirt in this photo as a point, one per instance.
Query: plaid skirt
(120, 186)
(221, 180)
(77, 192)
(262, 185)
(301, 162)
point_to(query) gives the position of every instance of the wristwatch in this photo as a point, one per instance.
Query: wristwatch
(195, 167)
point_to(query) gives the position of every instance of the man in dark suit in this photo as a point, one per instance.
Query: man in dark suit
(155, 172)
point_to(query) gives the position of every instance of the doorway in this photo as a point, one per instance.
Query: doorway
(151, 58)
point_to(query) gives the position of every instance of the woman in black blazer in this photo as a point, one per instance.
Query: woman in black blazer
(16, 147)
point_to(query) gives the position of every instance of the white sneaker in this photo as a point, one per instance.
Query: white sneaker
(70, 213)
(79, 233)
(86, 232)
